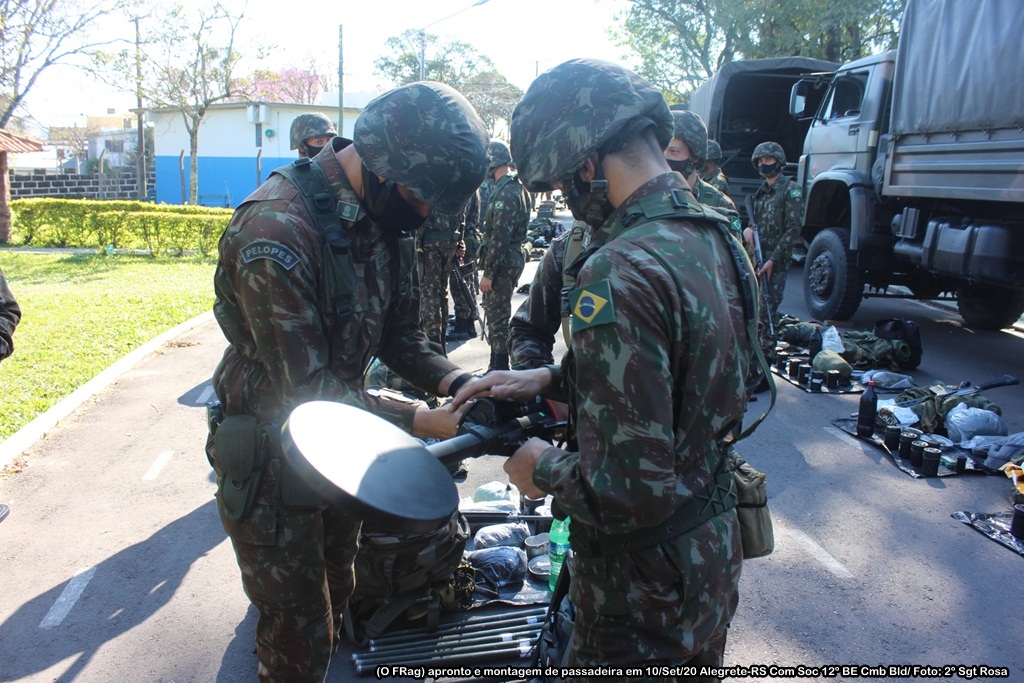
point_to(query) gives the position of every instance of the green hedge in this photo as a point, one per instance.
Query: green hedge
(134, 225)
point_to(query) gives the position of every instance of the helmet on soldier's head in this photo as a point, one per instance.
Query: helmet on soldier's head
(310, 126)
(499, 154)
(768, 149)
(690, 128)
(428, 138)
(714, 151)
(578, 108)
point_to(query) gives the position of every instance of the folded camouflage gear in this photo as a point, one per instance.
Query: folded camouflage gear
(798, 333)
(867, 349)
(932, 412)
(830, 360)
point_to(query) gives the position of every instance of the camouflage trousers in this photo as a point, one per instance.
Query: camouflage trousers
(669, 605)
(497, 305)
(297, 571)
(463, 306)
(776, 288)
(435, 267)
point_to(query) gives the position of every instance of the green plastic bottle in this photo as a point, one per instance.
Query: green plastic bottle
(558, 546)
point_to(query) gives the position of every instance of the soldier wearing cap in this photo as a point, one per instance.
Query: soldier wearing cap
(661, 306)
(712, 173)
(778, 212)
(304, 307)
(505, 221)
(310, 132)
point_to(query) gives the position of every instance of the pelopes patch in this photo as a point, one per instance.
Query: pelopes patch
(284, 256)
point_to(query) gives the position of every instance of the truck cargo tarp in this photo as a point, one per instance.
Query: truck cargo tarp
(707, 99)
(943, 47)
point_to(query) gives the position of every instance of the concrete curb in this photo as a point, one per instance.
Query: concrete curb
(24, 438)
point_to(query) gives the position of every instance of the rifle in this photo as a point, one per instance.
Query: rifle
(460, 277)
(1004, 381)
(769, 313)
(374, 470)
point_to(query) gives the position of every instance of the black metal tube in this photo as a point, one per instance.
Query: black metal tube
(456, 657)
(454, 641)
(475, 631)
(494, 619)
(526, 641)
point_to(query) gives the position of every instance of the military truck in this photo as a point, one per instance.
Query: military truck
(746, 103)
(913, 167)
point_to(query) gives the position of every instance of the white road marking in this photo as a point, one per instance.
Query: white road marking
(820, 554)
(68, 598)
(158, 465)
(842, 436)
(205, 396)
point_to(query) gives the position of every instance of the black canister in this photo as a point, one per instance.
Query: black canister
(832, 380)
(1017, 523)
(961, 464)
(804, 373)
(816, 384)
(930, 461)
(817, 374)
(907, 437)
(917, 452)
(892, 437)
(793, 369)
(782, 361)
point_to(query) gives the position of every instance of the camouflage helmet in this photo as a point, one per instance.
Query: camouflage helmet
(768, 149)
(690, 128)
(306, 126)
(714, 151)
(499, 154)
(578, 108)
(428, 138)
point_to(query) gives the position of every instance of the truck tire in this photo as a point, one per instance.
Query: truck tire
(833, 286)
(989, 307)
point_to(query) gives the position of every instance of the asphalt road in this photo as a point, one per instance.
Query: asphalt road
(115, 566)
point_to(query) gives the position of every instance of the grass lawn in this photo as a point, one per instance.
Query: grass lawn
(80, 313)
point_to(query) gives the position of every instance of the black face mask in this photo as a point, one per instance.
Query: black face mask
(386, 205)
(312, 150)
(685, 167)
(588, 202)
(769, 170)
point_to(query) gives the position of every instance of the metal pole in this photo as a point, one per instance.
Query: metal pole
(423, 54)
(495, 639)
(341, 84)
(467, 656)
(140, 145)
(539, 613)
(259, 167)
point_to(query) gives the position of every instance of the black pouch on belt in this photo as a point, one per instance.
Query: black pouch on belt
(241, 455)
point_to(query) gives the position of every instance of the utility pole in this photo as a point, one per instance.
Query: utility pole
(341, 84)
(140, 145)
(423, 36)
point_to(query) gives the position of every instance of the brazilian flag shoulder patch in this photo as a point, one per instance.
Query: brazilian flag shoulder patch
(592, 305)
(796, 192)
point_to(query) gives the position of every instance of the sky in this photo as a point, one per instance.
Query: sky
(522, 38)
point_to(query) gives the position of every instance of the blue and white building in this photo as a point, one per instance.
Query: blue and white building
(240, 143)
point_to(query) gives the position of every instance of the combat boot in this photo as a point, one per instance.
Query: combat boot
(462, 330)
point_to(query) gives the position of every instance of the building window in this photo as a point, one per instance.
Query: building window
(114, 146)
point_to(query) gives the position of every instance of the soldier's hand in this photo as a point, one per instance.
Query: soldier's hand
(439, 423)
(767, 268)
(520, 466)
(517, 385)
(485, 284)
(748, 236)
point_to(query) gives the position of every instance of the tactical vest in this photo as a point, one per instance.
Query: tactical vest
(331, 219)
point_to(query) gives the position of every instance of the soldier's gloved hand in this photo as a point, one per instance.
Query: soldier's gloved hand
(520, 466)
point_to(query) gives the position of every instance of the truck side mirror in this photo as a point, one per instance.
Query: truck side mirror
(798, 99)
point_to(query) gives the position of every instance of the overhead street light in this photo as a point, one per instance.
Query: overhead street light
(423, 36)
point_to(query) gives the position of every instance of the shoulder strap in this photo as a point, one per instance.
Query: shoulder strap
(329, 217)
(501, 183)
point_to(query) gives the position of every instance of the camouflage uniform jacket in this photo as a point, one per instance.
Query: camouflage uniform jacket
(10, 314)
(471, 229)
(506, 220)
(661, 351)
(718, 181)
(439, 228)
(286, 346)
(779, 211)
(707, 195)
(533, 328)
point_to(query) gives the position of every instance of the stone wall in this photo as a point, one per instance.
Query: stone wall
(120, 185)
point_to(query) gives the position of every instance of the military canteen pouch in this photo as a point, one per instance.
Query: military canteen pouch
(240, 458)
(752, 510)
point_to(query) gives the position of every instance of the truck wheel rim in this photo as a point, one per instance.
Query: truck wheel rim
(822, 276)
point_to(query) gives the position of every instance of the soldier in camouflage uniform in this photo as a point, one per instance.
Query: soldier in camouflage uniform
(506, 218)
(437, 242)
(309, 134)
(303, 317)
(466, 312)
(685, 155)
(712, 173)
(655, 375)
(10, 314)
(778, 213)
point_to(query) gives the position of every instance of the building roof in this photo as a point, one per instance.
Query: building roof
(11, 142)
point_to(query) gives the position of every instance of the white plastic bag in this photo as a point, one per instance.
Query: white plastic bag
(831, 341)
(964, 422)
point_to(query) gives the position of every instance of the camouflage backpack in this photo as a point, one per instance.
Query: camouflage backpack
(408, 576)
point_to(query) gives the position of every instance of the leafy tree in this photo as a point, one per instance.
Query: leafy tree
(456, 63)
(188, 63)
(302, 84)
(38, 34)
(683, 42)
